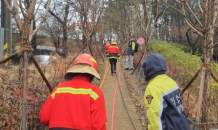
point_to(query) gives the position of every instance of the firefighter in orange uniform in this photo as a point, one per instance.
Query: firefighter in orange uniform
(76, 104)
(113, 53)
(107, 46)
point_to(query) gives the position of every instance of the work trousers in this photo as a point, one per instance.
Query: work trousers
(113, 63)
(129, 61)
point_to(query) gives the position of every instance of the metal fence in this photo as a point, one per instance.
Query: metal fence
(198, 125)
(211, 123)
(11, 111)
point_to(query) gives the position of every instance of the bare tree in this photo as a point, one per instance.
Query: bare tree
(89, 14)
(147, 14)
(206, 29)
(25, 27)
(52, 28)
(26, 31)
(64, 22)
(193, 43)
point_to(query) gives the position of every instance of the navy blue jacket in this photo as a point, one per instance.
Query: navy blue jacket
(131, 48)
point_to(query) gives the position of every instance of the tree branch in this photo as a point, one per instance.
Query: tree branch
(193, 14)
(215, 18)
(41, 22)
(199, 4)
(194, 28)
(58, 18)
(8, 6)
(213, 46)
(31, 9)
(14, 12)
(21, 8)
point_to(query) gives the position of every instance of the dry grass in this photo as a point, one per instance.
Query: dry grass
(11, 96)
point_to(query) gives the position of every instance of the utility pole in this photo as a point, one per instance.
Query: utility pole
(6, 25)
(1, 43)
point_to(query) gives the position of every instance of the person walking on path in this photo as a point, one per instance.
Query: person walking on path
(130, 54)
(107, 46)
(162, 97)
(113, 53)
(76, 104)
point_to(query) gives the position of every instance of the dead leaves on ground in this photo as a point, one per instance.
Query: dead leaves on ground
(11, 96)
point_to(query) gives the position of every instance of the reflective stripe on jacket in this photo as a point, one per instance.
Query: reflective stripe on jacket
(113, 52)
(164, 105)
(75, 104)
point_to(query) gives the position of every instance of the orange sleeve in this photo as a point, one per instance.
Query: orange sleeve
(118, 50)
(44, 114)
(98, 114)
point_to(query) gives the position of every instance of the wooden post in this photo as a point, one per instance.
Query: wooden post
(25, 69)
(214, 77)
(137, 64)
(10, 57)
(41, 73)
(200, 98)
(189, 83)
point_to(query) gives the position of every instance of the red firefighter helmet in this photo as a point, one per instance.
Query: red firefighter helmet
(85, 63)
(114, 42)
(87, 59)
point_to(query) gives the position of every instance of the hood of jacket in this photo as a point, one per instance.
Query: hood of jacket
(153, 65)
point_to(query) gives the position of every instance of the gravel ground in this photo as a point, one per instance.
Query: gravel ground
(128, 98)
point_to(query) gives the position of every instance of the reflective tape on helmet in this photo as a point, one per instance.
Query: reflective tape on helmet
(92, 59)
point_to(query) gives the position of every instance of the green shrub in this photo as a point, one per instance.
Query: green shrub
(182, 47)
(182, 66)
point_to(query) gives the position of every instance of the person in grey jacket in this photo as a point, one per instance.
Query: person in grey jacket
(130, 54)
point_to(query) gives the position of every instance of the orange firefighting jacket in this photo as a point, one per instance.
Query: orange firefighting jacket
(75, 104)
(113, 52)
(106, 47)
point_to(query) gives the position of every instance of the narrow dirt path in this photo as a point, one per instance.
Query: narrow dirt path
(122, 119)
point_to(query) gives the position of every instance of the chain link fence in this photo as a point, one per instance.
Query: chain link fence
(211, 123)
(11, 113)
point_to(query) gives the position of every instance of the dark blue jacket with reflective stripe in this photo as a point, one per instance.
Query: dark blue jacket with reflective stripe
(162, 97)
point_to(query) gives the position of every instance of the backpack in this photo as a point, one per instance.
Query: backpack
(136, 47)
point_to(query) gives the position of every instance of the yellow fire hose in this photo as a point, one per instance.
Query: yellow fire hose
(105, 74)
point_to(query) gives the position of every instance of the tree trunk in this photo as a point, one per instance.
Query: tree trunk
(207, 55)
(25, 32)
(65, 51)
(179, 28)
(33, 41)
